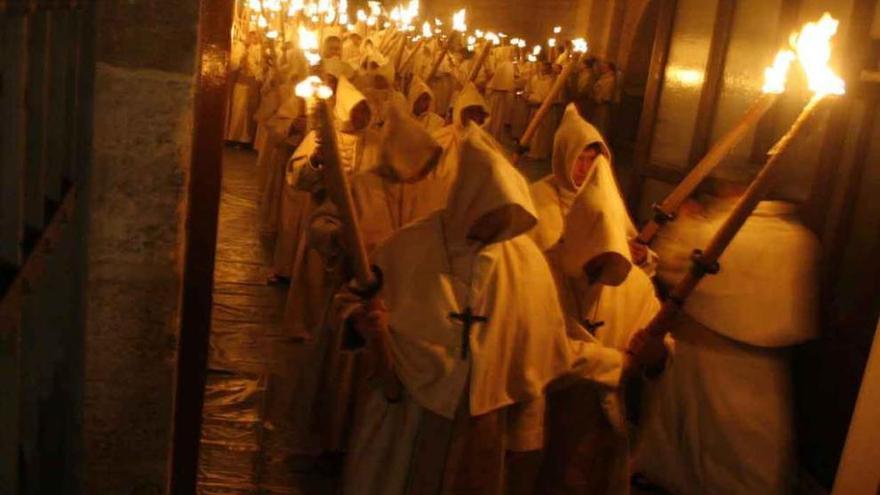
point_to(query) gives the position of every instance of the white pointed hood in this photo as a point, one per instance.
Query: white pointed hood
(417, 88)
(574, 134)
(408, 152)
(597, 230)
(468, 97)
(347, 98)
(487, 184)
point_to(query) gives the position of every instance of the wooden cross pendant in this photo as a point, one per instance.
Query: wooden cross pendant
(467, 318)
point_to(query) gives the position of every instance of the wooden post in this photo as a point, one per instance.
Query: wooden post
(713, 158)
(37, 104)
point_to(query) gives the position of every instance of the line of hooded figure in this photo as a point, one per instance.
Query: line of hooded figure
(491, 360)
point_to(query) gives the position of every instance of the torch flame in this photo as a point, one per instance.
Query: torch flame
(262, 22)
(493, 38)
(375, 8)
(813, 47)
(776, 75)
(580, 45)
(557, 30)
(551, 42)
(537, 50)
(458, 21)
(296, 6)
(427, 32)
(311, 87)
(308, 42)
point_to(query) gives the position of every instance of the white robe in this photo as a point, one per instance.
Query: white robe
(720, 418)
(500, 97)
(247, 61)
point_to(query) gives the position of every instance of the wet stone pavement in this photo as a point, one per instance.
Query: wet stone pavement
(249, 439)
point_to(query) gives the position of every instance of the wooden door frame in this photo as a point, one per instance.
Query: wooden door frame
(202, 210)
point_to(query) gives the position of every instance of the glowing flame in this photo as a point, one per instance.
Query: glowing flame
(272, 34)
(458, 21)
(262, 22)
(776, 75)
(375, 8)
(551, 42)
(255, 5)
(308, 42)
(479, 34)
(493, 38)
(537, 50)
(272, 5)
(361, 15)
(557, 30)
(427, 32)
(580, 45)
(471, 41)
(311, 87)
(296, 6)
(532, 58)
(813, 47)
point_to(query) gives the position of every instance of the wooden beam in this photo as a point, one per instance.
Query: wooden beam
(712, 82)
(13, 140)
(648, 119)
(215, 21)
(11, 310)
(57, 140)
(37, 104)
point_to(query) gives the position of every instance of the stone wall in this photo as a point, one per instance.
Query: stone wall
(143, 105)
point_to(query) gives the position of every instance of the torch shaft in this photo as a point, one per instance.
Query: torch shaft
(438, 63)
(539, 115)
(411, 54)
(732, 225)
(339, 192)
(719, 151)
(481, 61)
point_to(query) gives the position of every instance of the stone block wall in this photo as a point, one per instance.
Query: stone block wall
(136, 192)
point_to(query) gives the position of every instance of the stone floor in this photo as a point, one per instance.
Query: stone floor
(247, 439)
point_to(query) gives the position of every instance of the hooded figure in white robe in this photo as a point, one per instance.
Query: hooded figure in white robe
(358, 148)
(396, 190)
(554, 194)
(472, 350)
(604, 300)
(720, 418)
(469, 105)
(422, 112)
(318, 265)
(246, 62)
(500, 91)
(380, 92)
